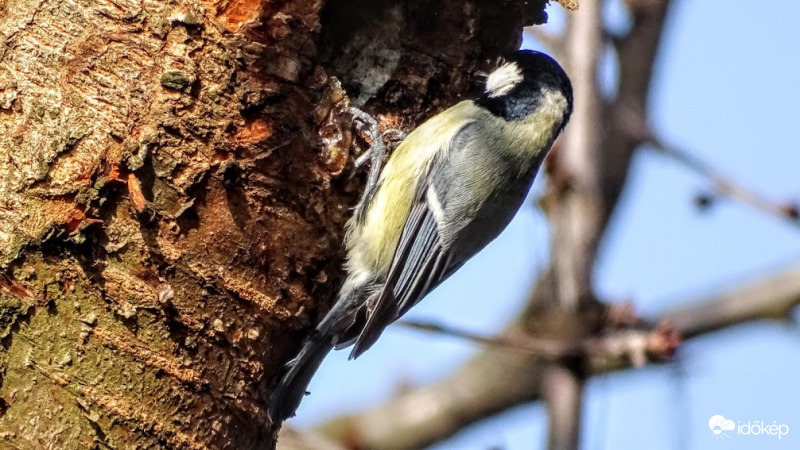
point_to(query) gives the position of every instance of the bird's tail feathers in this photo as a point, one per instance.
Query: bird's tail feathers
(384, 313)
(289, 392)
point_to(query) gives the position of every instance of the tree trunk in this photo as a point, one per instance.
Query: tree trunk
(174, 184)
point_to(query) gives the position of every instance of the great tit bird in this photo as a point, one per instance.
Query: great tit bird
(447, 190)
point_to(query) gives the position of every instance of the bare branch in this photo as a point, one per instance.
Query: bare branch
(633, 344)
(562, 391)
(726, 187)
(636, 127)
(294, 439)
(575, 190)
(772, 298)
(636, 55)
(575, 215)
(494, 380)
(550, 349)
(486, 385)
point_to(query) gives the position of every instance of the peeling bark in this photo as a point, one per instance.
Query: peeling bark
(172, 196)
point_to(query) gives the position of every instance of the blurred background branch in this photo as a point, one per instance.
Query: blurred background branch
(499, 378)
(722, 185)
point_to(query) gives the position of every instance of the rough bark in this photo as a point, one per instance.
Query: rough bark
(173, 189)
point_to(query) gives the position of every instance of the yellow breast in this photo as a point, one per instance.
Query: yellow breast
(371, 244)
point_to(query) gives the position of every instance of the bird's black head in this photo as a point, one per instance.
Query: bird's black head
(519, 86)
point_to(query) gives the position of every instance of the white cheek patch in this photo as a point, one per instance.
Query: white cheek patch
(553, 102)
(503, 79)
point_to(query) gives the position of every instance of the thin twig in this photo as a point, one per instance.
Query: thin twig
(636, 345)
(546, 348)
(726, 187)
(723, 186)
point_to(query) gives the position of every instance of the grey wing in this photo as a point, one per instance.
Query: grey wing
(422, 259)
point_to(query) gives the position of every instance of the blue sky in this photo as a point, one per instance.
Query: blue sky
(727, 87)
